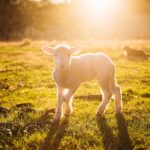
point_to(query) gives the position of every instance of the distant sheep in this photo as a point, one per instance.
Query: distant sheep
(131, 53)
(70, 71)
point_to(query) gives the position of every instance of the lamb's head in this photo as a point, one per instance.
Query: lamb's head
(62, 54)
(126, 50)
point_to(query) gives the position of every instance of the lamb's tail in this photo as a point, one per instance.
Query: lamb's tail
(116, 90)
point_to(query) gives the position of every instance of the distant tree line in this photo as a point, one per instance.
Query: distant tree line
(18, 15)
(18, 19)
(15, 16)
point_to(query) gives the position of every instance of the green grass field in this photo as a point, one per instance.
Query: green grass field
(28, 99)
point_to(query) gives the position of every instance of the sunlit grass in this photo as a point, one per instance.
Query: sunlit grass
(25, 77)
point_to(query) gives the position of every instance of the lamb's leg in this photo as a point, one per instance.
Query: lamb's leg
(105, 101)
(59, 110)
(118, 99)
(68, 100)
(106, 94)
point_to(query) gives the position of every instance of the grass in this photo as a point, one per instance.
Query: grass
(28, 100)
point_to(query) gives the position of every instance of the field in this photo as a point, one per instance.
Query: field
(28, 102)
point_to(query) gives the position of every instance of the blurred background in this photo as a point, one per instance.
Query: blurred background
(74, 19)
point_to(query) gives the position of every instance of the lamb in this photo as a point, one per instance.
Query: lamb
(70, 71)
(131, 53)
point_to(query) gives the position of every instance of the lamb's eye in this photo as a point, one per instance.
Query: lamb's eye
(55, 55)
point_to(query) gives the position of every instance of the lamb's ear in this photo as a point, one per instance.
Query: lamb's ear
(76, 50)
(48, 50)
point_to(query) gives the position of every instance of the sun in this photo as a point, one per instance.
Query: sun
(103, 8)
(100, 17)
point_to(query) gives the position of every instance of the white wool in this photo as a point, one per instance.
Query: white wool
(84, 68)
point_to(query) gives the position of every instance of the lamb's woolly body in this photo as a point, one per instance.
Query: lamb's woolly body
(84, 68)
(79, 69)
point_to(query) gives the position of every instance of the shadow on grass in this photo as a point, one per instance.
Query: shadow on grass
(123, 135)
(22, 123)
(55, 135)
(127, 95)
(89, 97)
(111, 142)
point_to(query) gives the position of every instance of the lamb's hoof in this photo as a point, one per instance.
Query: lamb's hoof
(67, 114)
(56, 121)
(99, 114)
(118, 111)
(57, 118)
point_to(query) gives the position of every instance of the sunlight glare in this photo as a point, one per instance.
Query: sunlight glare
(101, 17)
(104, 8)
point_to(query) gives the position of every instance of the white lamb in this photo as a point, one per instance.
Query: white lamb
(70, 71)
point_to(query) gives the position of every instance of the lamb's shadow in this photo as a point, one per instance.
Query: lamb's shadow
(55, 135)
(109, 140)
(122, 142)
(89, 97)
(123, 135)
